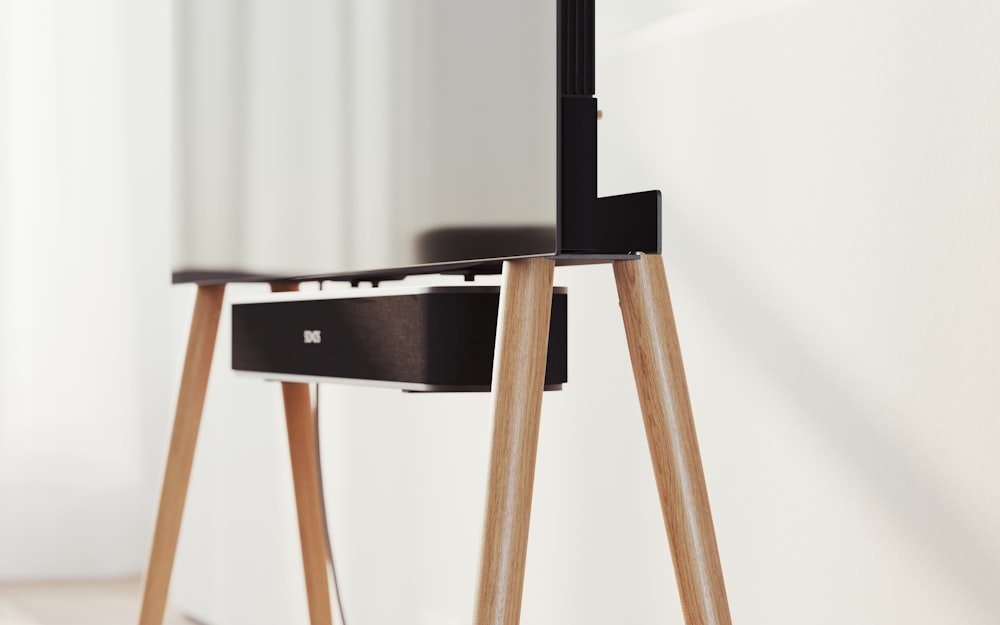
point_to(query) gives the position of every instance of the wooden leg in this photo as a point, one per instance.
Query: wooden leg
(305, 475)
(308, 500)
(187, 420)
(673, 445)
(518, 381)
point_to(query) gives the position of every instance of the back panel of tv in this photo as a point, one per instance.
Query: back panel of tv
(341, 137)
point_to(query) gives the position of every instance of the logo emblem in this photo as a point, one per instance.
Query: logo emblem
(311, 336)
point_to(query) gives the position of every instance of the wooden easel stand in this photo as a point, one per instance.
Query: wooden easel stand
(518, 379)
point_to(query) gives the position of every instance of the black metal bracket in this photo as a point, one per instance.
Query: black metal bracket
(621, 225)
(629, 223)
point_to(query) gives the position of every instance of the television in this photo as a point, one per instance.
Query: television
(372, 139)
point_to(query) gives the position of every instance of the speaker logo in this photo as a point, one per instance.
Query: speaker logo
(311, 336)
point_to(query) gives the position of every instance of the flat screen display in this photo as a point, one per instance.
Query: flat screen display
(340, 137)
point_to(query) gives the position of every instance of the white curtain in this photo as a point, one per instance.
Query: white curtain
(86, 367)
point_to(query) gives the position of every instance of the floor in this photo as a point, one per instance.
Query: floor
(74, 603)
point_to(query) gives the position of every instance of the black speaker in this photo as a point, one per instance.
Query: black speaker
(438, 338)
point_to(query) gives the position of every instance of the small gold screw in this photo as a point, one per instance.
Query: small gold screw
(600, 114)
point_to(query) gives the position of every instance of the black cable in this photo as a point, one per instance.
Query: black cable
(322, 501)
(326, 523)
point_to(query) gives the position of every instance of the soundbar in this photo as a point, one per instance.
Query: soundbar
(427, 339)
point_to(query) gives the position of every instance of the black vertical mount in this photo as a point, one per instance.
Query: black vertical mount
(591, 228)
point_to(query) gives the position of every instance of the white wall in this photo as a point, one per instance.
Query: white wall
(831, 178)
(86, 375)
(831, 173)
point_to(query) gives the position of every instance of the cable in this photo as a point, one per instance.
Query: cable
(322, 501)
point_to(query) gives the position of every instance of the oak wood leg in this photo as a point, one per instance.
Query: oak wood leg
(302, 448)
(670, 432)
(187, 420)
(518, 382)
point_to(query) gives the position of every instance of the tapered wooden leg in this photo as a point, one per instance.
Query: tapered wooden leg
(187, 420)
(305, 475)
(518, 381)
(302, 442)
(673, 445)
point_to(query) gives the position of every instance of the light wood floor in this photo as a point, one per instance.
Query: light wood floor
(74, 603)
